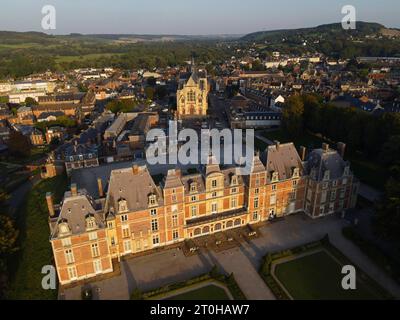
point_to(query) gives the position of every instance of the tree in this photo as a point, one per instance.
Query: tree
(8, 236)
(292, 115)
(30, 102)
(149, 92)
(390, 153)
(387, 221)
(19, 145)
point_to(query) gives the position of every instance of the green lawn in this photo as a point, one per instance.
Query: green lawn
(210, 292)
(35, 249)
(318, 276)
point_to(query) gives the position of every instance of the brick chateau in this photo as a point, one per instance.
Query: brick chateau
(132, 214)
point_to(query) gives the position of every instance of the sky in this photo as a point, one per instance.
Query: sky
(191, 17)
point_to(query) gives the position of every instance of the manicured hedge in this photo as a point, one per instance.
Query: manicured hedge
(229, 281)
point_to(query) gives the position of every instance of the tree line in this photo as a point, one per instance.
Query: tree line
(377, 138)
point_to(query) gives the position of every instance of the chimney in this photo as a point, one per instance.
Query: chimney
(178, 173)
(100, 186)
(325, 147)
(277, 144)
(135, 169)
(74, 190)
(303, 151)
(50, 205)
(341, 147)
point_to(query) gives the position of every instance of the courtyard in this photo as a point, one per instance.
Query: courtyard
(171, 265)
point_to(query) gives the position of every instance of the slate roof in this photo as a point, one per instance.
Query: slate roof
(283, 159)
(133, 187)
(321, 160)
(74, 211)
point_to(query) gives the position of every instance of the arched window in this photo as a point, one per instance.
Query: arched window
(217, 227)
(206, 229)
(238, 222)
(229, 224)
(197, 231)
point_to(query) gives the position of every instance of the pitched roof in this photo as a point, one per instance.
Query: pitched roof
(282, 158)
(75, 209)
(133, 185)
(319, 161)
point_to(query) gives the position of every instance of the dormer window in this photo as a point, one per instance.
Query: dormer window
(193, 187)
(152, 200)
(63, 228)
(122, 206)
(234, 180)
(275, 176)
(296, 172)
(326, 175)
(90, 222)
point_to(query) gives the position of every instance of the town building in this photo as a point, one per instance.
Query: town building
(192, 96)
(132, 214)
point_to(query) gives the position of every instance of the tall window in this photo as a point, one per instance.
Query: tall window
(69, 256)
(125, 232)
(174, 220)
(97, 266)
(175, 235)
(191, 96)
(255, 215)
(214, 207)
(95, 250)
(194, 211)
(234, 202)
(127, 246)
(153, 212)
(156, 240)
(214, 183)
(154, 225)
(72, 273)
(255, 203)
(124, 218)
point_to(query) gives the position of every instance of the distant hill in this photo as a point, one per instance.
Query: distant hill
(322, 31)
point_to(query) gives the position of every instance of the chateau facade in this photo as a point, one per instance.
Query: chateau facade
(192, 96)
(132, 214)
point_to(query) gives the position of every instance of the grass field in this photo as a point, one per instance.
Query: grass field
(210, 292)
(35, 248)
(318, 276)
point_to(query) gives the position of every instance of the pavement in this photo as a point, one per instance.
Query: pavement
(152, 271)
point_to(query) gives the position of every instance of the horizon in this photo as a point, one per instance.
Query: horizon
(228, 17)
(190, 35)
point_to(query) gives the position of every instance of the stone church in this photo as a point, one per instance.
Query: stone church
(192, 95)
